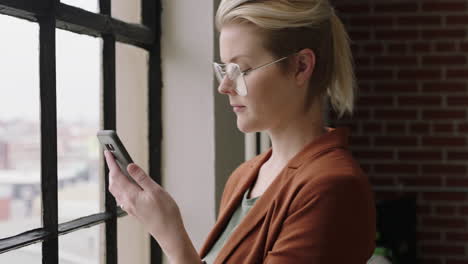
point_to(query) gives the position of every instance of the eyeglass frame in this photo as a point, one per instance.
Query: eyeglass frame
(242, 73)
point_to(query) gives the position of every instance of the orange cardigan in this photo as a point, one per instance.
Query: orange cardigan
(319, 210)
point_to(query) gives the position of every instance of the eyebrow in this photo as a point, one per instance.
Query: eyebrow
(236, 58)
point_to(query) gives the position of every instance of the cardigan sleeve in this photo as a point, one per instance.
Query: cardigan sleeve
(335, 223)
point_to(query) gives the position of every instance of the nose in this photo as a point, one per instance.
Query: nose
(227, 86)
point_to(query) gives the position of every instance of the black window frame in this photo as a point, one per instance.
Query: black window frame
(51, 14)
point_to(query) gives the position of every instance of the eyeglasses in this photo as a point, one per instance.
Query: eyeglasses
(234, 73)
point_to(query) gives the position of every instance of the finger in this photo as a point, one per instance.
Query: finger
(119, 183)
(110, 161)
(140, 177)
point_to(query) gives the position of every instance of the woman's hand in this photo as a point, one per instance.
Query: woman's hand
(153, 207)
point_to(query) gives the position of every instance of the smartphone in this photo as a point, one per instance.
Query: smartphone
(110, 141)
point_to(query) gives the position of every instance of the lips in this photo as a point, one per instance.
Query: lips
(238, 108)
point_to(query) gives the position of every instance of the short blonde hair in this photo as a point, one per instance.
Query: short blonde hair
(292, 25)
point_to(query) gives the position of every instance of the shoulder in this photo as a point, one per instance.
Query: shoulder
(332, 174)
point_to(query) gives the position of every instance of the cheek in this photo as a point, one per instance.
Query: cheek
(268, 95)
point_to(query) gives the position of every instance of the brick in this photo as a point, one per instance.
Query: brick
(429, 260)
(463, 46)
(396, 60)
(386, 195)
(444, 87)
(379, 21)
(372, 127)
(419, 100)
(421, 47)
(441, 114)
(359, 140)
(444, 60)
(457, 182)
(445, 196)
(419, 128)
(460, 73)
(396, 168)
(419, 20)
(396, 7)
(378, 181)
(361, 114)
(458, 100)
(445, 223)
(396, 128)
(419, 155)
(419, 74)
(374, 155)
(374, 74)
(420, 181)
(375, 101)
(445, 210)
(428, 236)
(355, 48)
(435, 6)
(397, 48)
(423, 209)
(393, 88)
(359, 35)
(396, 114)
(431, 34)
(444, 141)
(373, 48)
(443, 128)
(400, 34)
(451, 236)
(463, 127)
(443, 169)
(354, 8)
(362, 61)
(457, 155)
(463, 210)
(443, 250)
(457, 20)
(396, 141)
(445, 47)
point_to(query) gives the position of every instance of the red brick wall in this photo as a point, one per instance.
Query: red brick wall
(411, 118)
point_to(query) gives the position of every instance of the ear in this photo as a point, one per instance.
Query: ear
(305, 65)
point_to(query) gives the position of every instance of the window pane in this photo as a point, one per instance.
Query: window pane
(78, 91)
(128, 11)
(132, 100)
(90, 5)
(31, 254)
(82, 246)
(20, 155)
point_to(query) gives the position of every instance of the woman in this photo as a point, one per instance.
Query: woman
(305, 200)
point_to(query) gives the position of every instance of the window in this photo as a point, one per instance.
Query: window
(48, 151)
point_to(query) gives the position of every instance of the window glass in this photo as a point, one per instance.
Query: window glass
(78, 115)
(20, 155)
(128, 11)
(30, 254)
(89, 5)
(82, 246)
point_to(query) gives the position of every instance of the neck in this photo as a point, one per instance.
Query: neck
(288, 140)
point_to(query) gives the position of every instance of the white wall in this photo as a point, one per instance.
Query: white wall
(188, 112)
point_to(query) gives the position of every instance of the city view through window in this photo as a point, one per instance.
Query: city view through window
(78, 63)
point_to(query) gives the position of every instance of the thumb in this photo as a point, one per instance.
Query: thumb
(139, 176)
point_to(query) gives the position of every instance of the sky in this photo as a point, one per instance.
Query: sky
(78, 71)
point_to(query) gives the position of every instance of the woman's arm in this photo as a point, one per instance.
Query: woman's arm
(154, 208)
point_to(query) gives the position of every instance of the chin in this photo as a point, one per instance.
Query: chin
(247, 126)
